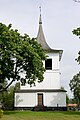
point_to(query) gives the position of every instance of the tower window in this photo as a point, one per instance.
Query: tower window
(48, 64)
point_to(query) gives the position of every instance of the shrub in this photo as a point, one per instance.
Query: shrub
(1, 113)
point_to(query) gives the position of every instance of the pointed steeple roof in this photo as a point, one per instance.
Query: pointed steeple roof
(41, 37)
(41, 40)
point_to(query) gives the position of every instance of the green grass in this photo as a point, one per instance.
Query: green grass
(29, 115)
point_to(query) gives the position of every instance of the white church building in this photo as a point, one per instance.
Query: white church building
(47, 94)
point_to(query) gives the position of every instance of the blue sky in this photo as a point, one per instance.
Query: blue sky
(59, 18)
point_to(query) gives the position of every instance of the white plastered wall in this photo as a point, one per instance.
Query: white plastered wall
(50, 99)
(54, 99)
(25, 100)
(51, 77)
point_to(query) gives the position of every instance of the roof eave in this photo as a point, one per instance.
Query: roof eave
(55, 51)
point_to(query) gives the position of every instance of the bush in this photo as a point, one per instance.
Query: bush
(1, 113)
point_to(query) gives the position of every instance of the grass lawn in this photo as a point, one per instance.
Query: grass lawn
(30, 115)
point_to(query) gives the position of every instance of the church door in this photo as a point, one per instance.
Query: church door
(40, 99)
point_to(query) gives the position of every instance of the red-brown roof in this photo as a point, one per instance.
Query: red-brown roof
(72, 105)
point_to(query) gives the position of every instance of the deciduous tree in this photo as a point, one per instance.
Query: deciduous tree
(75, 87)
(75, 82)
(77, 33)
(20, 58)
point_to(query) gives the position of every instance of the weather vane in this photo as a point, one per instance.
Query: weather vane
(40, 9)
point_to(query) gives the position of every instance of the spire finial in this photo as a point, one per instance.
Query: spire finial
(40, 21)
(40, 9)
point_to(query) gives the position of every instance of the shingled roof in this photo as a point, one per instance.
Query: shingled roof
(42, 41)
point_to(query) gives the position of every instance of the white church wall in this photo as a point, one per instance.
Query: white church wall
(51, 81)
(55, 99)
(25, 100)
(51, 77)
(50, 99)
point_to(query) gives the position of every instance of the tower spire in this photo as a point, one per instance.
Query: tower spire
(40, 35)
(41, 39)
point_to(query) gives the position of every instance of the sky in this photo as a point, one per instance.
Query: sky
(59, 18)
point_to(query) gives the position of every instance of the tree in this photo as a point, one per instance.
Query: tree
(17, 86)
(20, 58)
(7, 98)
(75, 87)
(75, 82)
(67, 99)
(77, 33)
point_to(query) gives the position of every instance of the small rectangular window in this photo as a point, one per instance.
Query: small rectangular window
(48, 64)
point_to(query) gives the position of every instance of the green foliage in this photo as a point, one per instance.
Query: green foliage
(75, 82)
(17, 86)
(78, 59)
(1, 113)
(19, 55)
(77, 33)
(67, 99)
(72, 101)
(8, 100)
(75, 87)
(7, 97)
